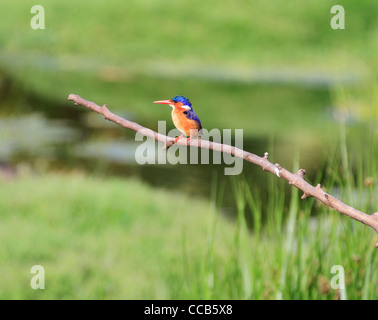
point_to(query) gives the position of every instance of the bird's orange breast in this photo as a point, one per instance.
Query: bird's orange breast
(181, 121)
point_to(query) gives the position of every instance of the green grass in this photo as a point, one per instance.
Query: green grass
(291, 255)
(192, 31)
(96, 238)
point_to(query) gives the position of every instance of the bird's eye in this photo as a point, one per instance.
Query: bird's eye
(185, 112)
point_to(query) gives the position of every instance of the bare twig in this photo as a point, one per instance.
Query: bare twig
(295, 179)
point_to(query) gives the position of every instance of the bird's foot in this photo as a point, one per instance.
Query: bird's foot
(177, 138)
(190, 138)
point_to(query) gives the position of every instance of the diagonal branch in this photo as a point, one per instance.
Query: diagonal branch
(295, 179)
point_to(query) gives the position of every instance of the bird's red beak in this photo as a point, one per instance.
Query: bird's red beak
(164, 101)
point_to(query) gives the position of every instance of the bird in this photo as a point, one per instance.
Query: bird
(184, 118)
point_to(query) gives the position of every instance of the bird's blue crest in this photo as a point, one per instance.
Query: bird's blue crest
(182, 99)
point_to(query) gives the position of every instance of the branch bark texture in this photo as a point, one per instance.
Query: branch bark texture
(294, 179)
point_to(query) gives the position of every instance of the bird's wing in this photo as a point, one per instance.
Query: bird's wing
(190, 114)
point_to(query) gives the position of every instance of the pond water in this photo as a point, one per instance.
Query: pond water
(39, 142)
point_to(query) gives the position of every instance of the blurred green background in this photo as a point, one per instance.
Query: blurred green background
(73, 199)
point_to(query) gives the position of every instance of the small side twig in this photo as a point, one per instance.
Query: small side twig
(294, 179)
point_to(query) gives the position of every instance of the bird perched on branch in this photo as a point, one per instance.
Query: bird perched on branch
(184, 117)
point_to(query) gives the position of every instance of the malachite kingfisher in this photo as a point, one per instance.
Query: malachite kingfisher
(184, 117)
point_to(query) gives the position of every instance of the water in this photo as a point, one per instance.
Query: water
(46, 143)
